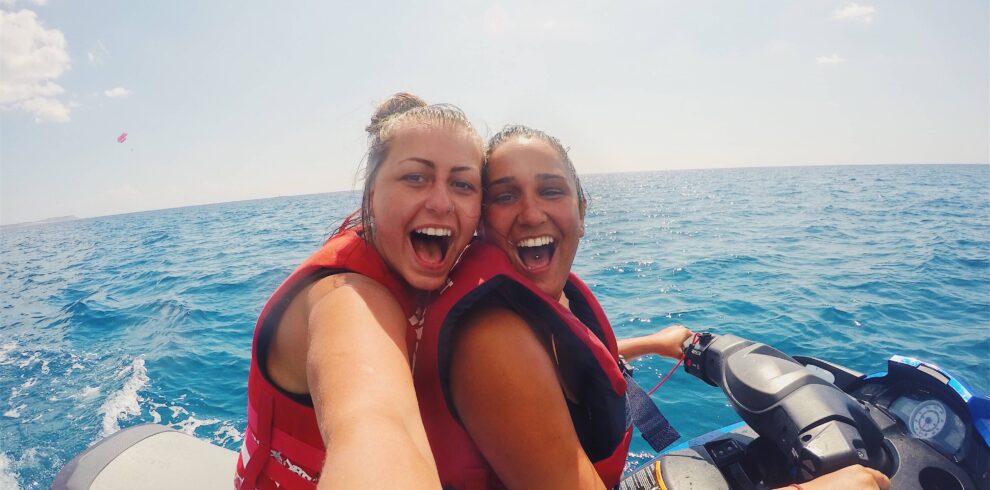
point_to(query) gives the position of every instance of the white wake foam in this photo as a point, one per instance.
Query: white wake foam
(125, 402)
(8, 479)
(30, 360)
(227, 433)
(15, 413)
(190, 424)
(89, 392)
(5, 350)
(74, 367)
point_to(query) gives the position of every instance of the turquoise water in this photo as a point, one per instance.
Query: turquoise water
(116, 321)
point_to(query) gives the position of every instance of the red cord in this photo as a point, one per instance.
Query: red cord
(679, 361)
(664, 380)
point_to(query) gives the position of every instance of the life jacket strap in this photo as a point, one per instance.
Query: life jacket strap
(646, 416)
(261, 431)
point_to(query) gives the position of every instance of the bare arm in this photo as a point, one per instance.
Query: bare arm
(855, 477)
(666, 342)
(357, 369)
(507, 393)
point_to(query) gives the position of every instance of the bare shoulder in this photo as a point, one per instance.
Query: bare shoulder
(496, 340)
(506, 391)
(341, 296)
(344, 283)
(328, 308)
(490, 316)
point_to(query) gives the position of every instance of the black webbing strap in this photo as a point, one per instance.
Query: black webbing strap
(647, 417)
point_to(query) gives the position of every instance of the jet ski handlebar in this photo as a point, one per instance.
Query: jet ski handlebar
(817, 427)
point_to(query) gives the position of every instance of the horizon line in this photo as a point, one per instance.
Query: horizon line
(71, 217)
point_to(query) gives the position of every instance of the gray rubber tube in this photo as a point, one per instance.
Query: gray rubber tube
(80, 473)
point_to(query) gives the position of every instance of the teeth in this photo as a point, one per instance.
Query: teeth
(434, 231)
(535, 241)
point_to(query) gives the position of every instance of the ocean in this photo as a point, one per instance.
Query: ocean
(121, 320)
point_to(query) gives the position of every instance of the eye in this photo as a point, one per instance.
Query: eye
(463, 186)
(502, 198)
(414, 178)
(552, 192)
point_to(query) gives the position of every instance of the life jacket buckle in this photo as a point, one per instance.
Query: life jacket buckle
(625, 367)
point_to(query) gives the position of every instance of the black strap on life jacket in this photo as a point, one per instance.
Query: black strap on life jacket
(646, 416)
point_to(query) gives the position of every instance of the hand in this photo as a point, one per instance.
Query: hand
(668, 342)
(855, 477)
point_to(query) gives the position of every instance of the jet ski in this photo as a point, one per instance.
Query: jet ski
(803, 417)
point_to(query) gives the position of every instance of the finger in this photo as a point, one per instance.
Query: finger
(881, 479)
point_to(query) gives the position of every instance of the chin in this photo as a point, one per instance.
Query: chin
(552, 290)
(426, 283)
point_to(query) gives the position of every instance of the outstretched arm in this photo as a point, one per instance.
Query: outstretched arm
(855, 477)
(666, 342)
(357, 369)
(506, 390)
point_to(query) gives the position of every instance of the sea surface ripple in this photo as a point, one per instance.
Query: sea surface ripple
(116, 321)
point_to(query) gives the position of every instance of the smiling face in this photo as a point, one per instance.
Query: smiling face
(426, 201)
(533, 212)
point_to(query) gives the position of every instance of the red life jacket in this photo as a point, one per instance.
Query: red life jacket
(282, 442)
(586, 353)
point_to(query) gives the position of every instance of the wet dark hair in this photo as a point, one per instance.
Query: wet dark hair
(519, 131)
(399, 109)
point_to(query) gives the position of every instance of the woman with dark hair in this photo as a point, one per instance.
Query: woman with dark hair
(526, 368)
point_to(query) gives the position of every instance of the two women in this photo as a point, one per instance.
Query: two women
(336, 346)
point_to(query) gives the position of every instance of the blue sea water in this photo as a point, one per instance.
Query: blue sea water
(111, 322)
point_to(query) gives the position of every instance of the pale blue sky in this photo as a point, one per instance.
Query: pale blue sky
(237, 100)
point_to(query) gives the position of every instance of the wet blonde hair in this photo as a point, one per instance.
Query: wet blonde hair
(397, 110)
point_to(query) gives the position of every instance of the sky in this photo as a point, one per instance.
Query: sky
(233, 100)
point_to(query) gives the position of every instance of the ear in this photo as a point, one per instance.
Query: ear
(582, 208)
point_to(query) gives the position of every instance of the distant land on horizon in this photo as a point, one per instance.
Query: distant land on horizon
(46, 221)
(61, 219)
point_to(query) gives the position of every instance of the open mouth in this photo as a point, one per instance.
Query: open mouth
(536, 252)
(431, 244)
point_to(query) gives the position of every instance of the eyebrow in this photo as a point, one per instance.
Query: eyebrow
(428, 163)
(510, 178)
(421, 161)
(503, 180)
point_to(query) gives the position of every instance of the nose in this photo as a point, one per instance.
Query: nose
(439, 201)
(532, 215)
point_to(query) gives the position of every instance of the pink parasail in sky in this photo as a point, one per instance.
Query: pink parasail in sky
(122, 138)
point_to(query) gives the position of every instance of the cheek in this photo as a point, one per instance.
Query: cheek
(497, 221)
(389, 216)
(469, 208)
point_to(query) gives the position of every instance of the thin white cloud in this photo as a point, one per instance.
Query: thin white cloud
(834, 59)
(117, 92)
(97, 53)
(855, 12)
(45, 110)
(11, 3)
(31, 60)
